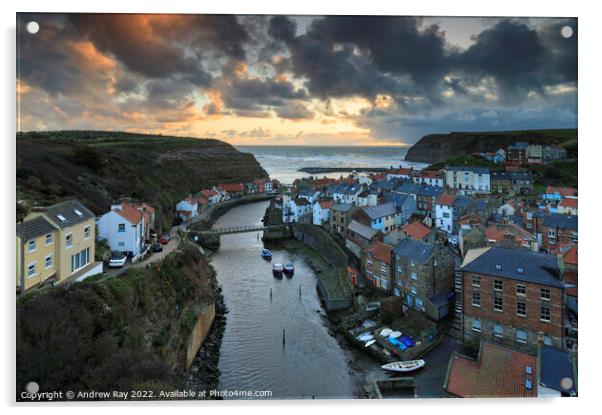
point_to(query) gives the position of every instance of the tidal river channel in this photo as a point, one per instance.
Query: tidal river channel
(311, 364)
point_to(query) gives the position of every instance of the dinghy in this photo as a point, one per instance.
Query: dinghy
(277, 270)
(395, 334)
(404, 366)
(365, 337)
(265, 254)
(370, 343)
(289, 268)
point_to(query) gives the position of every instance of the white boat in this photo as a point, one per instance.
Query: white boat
(289, 268)
(277, 268)
(395, 334)
(386, 332)
(370, 343)
(365, 337)
(404, 366)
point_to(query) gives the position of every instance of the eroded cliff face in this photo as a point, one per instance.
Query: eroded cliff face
(434, 148)
(100, 167)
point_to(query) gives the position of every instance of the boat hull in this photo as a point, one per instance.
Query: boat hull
(403, 367)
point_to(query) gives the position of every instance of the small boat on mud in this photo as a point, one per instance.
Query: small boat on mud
(365, 337)
(277, 270)
(386, 332)
(265, 254)
(369, 343)
(395, 334)
(289, 268)
(403, 366)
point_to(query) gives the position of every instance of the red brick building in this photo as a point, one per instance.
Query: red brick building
(557, 230)
(513, 297)
(376, 261)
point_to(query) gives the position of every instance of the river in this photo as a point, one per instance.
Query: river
(253, 358)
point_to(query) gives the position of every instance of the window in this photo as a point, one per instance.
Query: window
(78, 212)
(521, 289)
(31, 245)
(544, 313)
(551, 233)
(121, 243)
(31, 270)
(48, 261)
(80, 259)
(528, 384)
(48, 239)
(528, 370)
(419, 304)
(498, 303)
(121, 227)
(521, 309)
(498, 285)
(547, 340)
(498, 267)
(544, 293)
(498, 330)
(413, 276)
(383, 283)
(520, 270)
(413, 290)
(476, 325)
(61, 218)
(476, 299)
(521, 336)
(86, 232)
(69, 240)
(476, 281)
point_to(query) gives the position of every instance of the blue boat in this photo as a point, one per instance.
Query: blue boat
(265, 254)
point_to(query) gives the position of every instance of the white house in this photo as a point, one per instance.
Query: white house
(310, 195)
(367, 198)
(321, 212)
(187, 209)
(123, 229)
(444, 209)
(507, 209)
(400, 173)
(468, 180)
(296, 210)
(212, 196)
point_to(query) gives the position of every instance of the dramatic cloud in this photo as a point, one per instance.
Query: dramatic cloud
(252, 79)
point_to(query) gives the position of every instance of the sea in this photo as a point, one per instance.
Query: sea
(283, 162)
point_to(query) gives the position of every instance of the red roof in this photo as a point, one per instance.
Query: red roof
(232, 187)
(431, 174)
(568, 252)
(568, 202)
(209, 192)
(416, 230)
(401, 171)
(499, 372)
(129, 213)
(446, 199)
(381, 251)
(562, 191)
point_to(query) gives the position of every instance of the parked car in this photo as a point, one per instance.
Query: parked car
(165, 239)
(118, 260)
(156, 247)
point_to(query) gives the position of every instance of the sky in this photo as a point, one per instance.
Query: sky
(295, 80)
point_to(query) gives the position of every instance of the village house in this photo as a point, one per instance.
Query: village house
(496, 372)
(367, 198)
(507, 209)
(408, 188)
(535, 154)
(321, 212)
(553, 152)
(56, 244)
(499, 156)
(377, 266)
(444, 213)
(187, 209)
(424, 277)
(310, 194)
(569, 264)
(400, 173)
(383, 217)
(383, 185)
(346, 193)
(568, 206)
(514, 297)
(405, 204)
(468, 180)
(517, 153)
(425, 201)
(213, 196)
(429, 178)
(264, 185)
(341, 216)
(298, 210)
(511, 234)
(518, 182)
(149, 217)
(417, 231)
(232, 189)
(250, 188)
(123, 229)
(554, 195)
(558, 229)
(359, 236)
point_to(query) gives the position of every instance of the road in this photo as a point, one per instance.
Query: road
(155, 256)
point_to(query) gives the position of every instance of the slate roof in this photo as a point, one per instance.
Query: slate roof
(556, 365)
(558, 220)
(478, 170)
(342, 207)
(518, 146)
(34, 227)
(462, 202)
(417, 250)
(362, 230)
(430, 191)
(68, 209)
(538, 268)
(396, 198)
(498, 372)
(378, 211)
(408, 188)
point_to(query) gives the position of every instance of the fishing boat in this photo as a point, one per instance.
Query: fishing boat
(289, 268)
(386, 332)
(277, 270)
(265, 254)
(404, 366)
(365, 337)
(369, 343)
(395, 334)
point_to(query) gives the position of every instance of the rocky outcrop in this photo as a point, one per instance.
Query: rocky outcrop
(434, 148)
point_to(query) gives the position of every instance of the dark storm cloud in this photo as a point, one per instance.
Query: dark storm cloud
(294, 111)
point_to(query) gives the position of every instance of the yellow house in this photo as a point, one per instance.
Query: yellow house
(73, 241)
(36, 251)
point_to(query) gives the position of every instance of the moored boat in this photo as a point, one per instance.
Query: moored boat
(395, 334)
(265, 254)
(289, 268)
(277, 270)
(386, 332)
(369, 343)
(404, 366)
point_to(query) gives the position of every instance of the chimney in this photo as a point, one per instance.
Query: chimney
(39, 209)
(561, 266)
